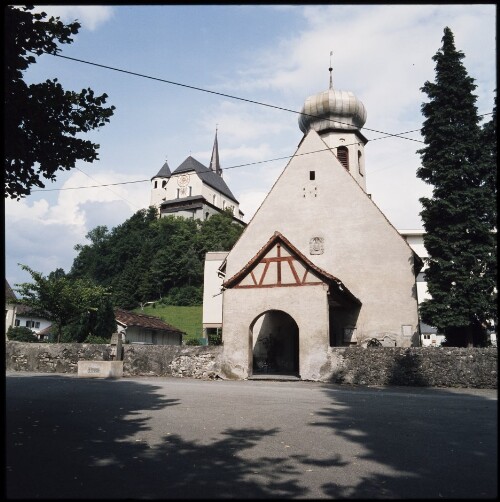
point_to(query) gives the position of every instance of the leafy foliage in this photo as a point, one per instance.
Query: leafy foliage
(21, 334)
(42, 121)
(459, 160)
(62, 299)
(147, 258)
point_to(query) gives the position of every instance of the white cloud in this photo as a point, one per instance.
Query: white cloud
(90, 17)
(43, 235)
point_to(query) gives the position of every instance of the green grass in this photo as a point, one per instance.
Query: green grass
(187, 319)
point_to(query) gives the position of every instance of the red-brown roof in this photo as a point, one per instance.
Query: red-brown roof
(142, 320)
(9, 293)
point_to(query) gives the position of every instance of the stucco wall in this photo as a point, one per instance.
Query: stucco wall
(417, 366)
(361, 248)
(310, 311)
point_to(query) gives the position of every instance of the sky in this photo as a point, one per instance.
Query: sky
(276, 55)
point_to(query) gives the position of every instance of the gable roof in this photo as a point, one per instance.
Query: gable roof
(129, 319)
(206, 175)
(279, 238)
(9, 292)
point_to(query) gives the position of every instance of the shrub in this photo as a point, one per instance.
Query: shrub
(184, 296)
(193, 341)
(96, 339)
(21, 334)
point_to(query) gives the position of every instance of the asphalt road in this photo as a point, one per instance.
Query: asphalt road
(160, 438)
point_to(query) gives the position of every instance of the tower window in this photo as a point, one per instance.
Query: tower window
(359, 163)
(312, 175)
(156, 184)
(343, 156)
(163, 184)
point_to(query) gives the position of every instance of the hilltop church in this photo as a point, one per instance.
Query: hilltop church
(193, 190)
(319, 266)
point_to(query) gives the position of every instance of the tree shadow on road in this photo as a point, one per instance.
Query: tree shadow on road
(413, 442)
(59, 448)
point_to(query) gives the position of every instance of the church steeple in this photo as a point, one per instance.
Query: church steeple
(214, 161)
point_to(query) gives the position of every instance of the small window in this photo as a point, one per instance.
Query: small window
(213, 199)
(18, 322)
(156, 184)
(178, 190)
(206, 215)
(312, 175)
(37, 324)
(343, 156)
(223, 204)
(28, 324)
(427, 337)
(359, 163)
(163, 184)
(190, 191)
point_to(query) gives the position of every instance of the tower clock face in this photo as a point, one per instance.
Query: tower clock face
(183, 180)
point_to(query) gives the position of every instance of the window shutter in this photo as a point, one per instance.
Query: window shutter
(343, 156)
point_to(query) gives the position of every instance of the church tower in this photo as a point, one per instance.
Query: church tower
(337, 116)
(159, 185)
(214, 161)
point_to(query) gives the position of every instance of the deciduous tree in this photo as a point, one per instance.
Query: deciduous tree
(43, 122)
(65, 300)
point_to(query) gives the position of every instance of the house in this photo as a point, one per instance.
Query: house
(10, 307)
(36, 323)
(212, 294)
(319, 266)
(145, 329)
(193, 190)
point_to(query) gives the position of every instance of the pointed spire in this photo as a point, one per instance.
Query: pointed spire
(214, 162)
(330, 70)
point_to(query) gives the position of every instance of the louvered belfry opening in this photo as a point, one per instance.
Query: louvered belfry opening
(343, 156)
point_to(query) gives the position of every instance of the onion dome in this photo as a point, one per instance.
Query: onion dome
(332, 110)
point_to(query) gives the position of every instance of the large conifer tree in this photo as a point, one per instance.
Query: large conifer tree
(459, 160)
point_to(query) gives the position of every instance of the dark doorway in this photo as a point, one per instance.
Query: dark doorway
(275, 338)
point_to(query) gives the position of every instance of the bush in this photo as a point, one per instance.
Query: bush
(193, 341)
(21, 334)
(184, 296)
(96, 339)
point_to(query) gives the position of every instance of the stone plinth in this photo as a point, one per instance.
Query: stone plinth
(100, 369)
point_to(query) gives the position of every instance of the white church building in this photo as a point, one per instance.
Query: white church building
(334, 272)
(193, 190)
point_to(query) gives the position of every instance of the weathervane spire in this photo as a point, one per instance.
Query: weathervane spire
(330, 70)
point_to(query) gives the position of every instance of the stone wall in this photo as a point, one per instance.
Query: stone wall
(138, 360)
(418, 366)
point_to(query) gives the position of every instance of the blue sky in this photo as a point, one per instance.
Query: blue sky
(272, 54)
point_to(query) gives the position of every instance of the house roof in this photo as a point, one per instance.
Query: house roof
(321, 274)
(46, 331)
(26, 311)
(128, 319)
(9, 292)
(206, 175)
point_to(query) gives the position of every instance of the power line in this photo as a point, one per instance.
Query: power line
(219, 93)
(87, 186)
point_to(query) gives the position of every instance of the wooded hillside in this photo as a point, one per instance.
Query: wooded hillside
(147, 258)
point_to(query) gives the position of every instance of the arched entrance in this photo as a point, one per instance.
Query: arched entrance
(275, 344)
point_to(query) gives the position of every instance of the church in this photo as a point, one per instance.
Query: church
(319, 266)
(193, 190)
